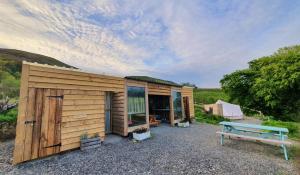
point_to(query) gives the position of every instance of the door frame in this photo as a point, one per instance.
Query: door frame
(108, 96)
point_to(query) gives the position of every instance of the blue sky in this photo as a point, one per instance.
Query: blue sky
(184, 41)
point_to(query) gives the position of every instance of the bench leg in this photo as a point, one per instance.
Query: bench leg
(285, 152)
(222, 139)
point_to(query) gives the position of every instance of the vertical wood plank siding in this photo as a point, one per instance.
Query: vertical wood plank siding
(118, 113)
(188, 92)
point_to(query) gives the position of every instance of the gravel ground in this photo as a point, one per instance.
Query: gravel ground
(171, 150)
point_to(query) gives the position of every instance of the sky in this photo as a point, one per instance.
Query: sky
(183, 41)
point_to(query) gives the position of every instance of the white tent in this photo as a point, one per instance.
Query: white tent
(231, 111)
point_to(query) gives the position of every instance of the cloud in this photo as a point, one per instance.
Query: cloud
(195, 41)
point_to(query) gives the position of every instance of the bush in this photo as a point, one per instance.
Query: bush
(293, 127)
(207, 118)
(9, 116)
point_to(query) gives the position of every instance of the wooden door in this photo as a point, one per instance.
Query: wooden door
(42, 123)
(187, 108)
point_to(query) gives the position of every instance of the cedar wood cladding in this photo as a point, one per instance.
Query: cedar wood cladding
(82, 107)
(188, 92)
(81, 110)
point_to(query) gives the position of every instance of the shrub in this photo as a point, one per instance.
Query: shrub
(293, 127)
(9, 116)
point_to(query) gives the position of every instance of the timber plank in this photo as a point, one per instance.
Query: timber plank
(51, 122)
(68, 86)
(72, 72)
(83, 107)
(82, 92)
(85, 97)
(20, 128)
(83, 102)
(44, 124)
(81, 117)
(79, 133)
(72, 82)
(82, 112)
(82, 127)
(82, 122)
(58, 116)
(37, 127)
(29, 127)
(74, 77)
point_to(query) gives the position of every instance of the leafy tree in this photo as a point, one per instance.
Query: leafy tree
(271, 84)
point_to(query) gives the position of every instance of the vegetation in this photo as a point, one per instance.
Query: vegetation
(10, 73)
(9, 116)
(201, 116)
(271, 85)
(208, 96)
(293, 127)
(18, 56)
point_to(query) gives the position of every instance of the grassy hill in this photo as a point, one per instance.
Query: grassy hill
(10, 73)
(208, 96)
(18, 56)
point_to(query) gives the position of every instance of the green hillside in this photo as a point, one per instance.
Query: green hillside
(208, 96)
(18, 56)
(10, 71)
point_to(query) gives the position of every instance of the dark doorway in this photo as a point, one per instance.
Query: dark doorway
(187, 109)
(159, 106)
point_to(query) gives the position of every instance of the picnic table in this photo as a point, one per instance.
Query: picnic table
(266, 134)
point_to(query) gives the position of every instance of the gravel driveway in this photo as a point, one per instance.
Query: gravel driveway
(171, 150)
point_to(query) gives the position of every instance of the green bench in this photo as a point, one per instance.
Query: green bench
(266, 134)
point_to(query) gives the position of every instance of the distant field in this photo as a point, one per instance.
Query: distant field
(208, 96)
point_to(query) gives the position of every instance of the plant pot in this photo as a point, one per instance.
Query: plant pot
(184, 124)
(141, 136)
(90, 143)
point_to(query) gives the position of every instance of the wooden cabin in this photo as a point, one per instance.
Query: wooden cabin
(57, 105)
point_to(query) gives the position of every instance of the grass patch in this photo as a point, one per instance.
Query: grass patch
(293, 127)
(207, 118)
(208, 96)
(9, 116)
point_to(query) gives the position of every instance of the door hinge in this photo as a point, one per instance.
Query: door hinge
(30, 122)
(53, 145)
(55, 96)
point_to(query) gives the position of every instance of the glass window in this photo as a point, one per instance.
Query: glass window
(136, 106)
(177, 105)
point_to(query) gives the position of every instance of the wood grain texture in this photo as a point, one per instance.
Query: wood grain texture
(188, 92)
(20, 128)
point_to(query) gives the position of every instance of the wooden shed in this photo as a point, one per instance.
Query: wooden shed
(57, 105)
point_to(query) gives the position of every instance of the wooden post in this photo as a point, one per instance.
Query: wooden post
(20, 129)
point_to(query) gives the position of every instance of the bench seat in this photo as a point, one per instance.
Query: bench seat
(273, 141)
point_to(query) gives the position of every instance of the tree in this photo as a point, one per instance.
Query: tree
(271, 84)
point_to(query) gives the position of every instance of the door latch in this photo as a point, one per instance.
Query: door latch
(30, 122)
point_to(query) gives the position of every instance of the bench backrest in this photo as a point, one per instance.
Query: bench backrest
(245, 125)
